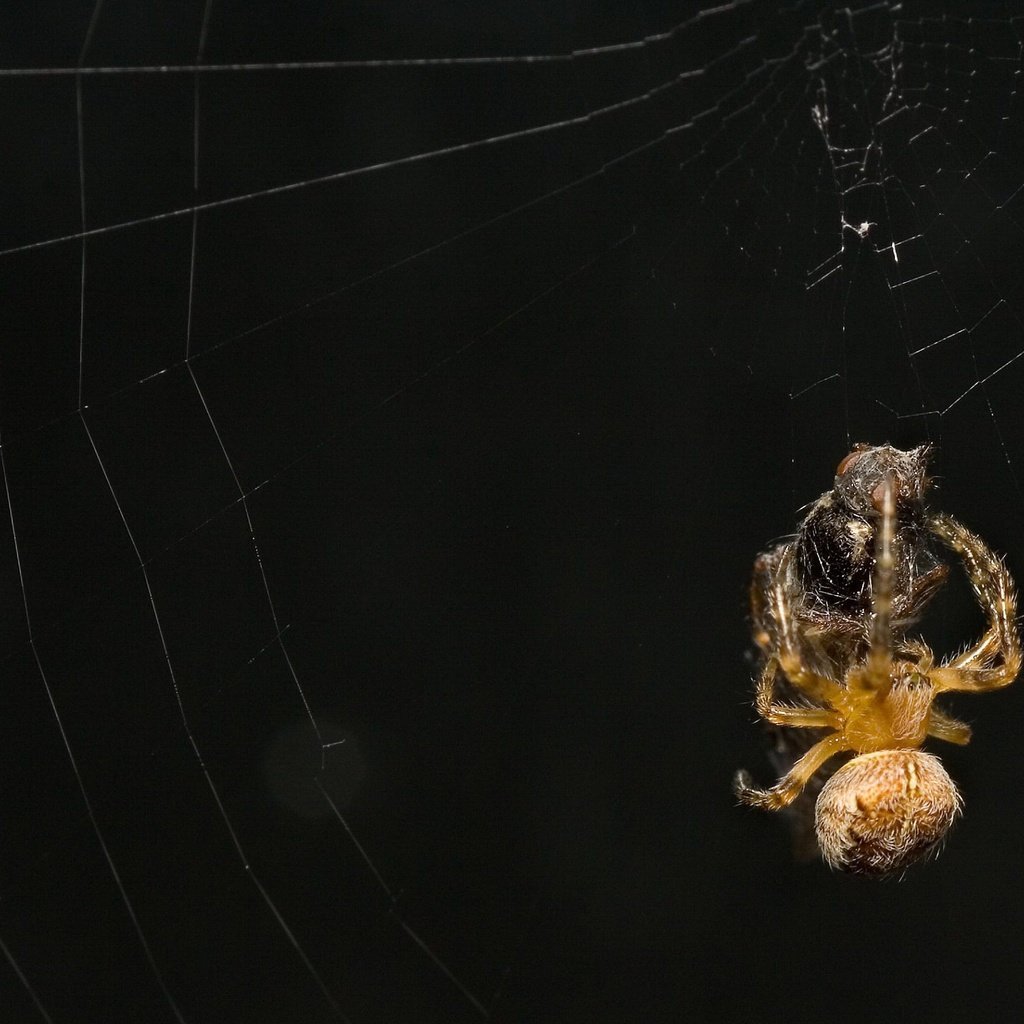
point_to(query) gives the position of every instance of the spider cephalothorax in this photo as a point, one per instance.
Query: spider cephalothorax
(891, 803)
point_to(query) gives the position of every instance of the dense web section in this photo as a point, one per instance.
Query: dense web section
(315, 322)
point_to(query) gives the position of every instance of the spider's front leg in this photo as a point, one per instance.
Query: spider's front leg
(977, 656)
(790, 654)
(793, 716)
(993, 586)
(788, 788)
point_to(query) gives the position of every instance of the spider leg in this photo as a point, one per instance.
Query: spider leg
(946, 727)
(879, 658)
(794, 716)
(994, 589)
(977, 655)
(789, 656)
(788, 788)
(764, 571)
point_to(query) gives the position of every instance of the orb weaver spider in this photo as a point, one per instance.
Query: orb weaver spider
(891, 803)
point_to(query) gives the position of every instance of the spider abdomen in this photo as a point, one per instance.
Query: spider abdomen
(884, 810)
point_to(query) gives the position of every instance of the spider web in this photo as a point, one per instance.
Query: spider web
(392, 404)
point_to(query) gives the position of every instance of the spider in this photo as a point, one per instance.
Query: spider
(826, 571)
(891, 803)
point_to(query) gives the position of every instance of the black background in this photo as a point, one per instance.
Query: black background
(466, 458)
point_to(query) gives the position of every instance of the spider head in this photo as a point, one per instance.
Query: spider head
(884, 810)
